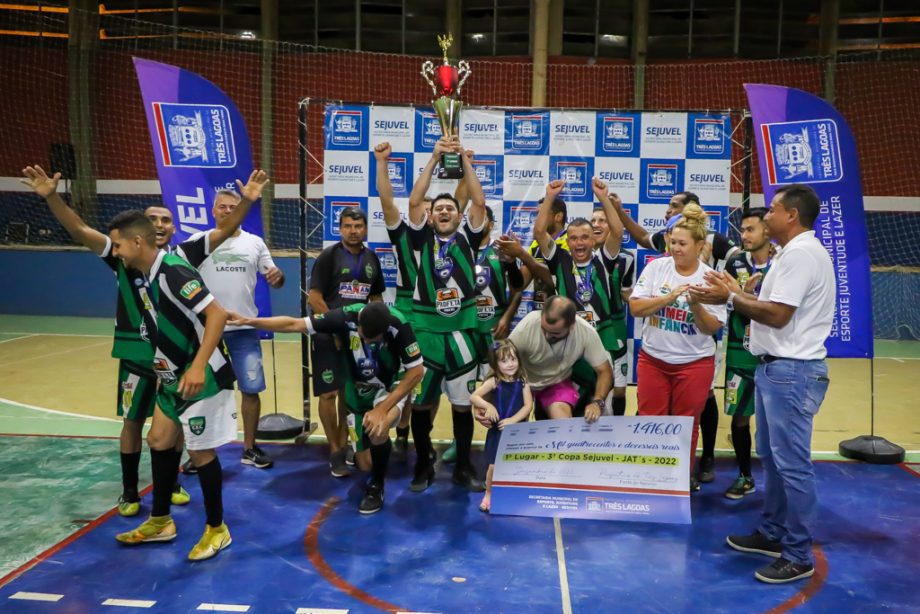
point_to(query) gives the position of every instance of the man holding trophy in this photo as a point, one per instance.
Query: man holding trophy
(444, 301)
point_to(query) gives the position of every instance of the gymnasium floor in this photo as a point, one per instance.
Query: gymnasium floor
(300, 546)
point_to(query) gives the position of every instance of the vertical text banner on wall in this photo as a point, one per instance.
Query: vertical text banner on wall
(802, 139)
(200, 145)
(643, 157)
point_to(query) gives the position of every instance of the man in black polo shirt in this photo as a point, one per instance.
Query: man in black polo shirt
(344, 274)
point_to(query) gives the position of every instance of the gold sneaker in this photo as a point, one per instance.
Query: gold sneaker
(154, 529)
(179, 496)
(128, 508)
(213, 541)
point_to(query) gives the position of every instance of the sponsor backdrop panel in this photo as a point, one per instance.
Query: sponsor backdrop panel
(643, 157)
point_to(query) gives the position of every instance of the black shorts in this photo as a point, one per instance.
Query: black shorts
(327, 364)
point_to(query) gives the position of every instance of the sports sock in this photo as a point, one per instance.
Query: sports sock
(164, 471)
(619, 406)
(212, 481)
(421, 434)
(463, 435)
(380, 457)
(741, 440)
(130, 461)
(709, 426)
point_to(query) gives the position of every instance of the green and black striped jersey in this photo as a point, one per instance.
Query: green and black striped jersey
(737, 353)
(445, 290)
(179, 296)
(132, 340)
(595, 287)
(406, 265)
(372, 365)
(494, 280)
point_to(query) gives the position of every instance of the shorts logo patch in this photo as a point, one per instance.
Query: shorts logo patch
(471, 386)
(164, 372)
(190, 289)
(327, 376)
(413, 350)
(197, 425)
(623, 368)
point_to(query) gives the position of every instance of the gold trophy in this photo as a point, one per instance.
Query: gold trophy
(446, 81)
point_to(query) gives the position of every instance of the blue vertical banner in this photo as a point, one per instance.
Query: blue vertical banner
(803, 139)
(200, 145)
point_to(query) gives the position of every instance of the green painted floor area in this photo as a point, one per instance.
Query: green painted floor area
(52, 487)
(19, 420)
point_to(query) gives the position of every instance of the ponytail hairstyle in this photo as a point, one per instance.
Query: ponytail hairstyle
(693, 220)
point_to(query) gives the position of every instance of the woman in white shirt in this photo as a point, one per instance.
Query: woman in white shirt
(676, 361)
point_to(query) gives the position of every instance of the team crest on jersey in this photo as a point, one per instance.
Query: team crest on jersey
(485, 308)
(448, 302)
(369, 270)
(190, 289)
(197, 424)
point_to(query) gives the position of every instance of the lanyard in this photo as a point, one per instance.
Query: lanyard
(514, 395)
(583, 286)
(443, 247)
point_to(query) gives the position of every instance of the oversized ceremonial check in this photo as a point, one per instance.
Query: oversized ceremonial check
(620, 468)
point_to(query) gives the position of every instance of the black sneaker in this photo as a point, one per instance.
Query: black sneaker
(694, 484)
(349, 456)
(756, 542)
(422, 479)
(372, 501)
(189, 468)
(337, 465)
(706, 472)
(465, 477)
(257, 458)
(400, 448)
(783, 570)
(743, 486)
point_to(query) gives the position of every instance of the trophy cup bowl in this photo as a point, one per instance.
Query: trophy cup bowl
(446, 81)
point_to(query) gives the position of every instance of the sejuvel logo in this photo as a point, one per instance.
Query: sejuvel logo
(485, 172)
(708, 135)
(661, 180)
(335, 209)
(195, 135)
(526, 131)
(575, 175)
(431, 129)
(618, 134)
(799, 151)
(346, 127)
(396, 169)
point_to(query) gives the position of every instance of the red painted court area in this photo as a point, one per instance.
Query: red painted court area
(299, 545)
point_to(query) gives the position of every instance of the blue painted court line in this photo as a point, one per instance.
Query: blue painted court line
(299, 542)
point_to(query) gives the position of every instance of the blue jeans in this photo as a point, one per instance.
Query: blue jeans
(788, 394)
(245, 351)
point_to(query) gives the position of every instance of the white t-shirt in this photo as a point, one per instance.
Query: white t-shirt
(230, 273)
(546, 364)
(671, 335)
(802, 276)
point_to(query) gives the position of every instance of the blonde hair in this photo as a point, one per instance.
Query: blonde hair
(693, 220)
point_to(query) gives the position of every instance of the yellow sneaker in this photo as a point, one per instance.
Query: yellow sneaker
(154, 529)
(128, 508)
(180, 496)
(212, 542)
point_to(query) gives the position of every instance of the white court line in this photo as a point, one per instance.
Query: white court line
(563, 574)
(79, 349)
(129, 603)
(58, 412)
(222, 607)
(319, 611)
(24, 336)
(36, 596)
(33, 334)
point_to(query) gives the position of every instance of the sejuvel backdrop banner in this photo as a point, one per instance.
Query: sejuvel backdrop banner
(644, 157)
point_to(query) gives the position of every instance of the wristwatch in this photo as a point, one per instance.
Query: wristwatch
(600, 404)
(730, 303)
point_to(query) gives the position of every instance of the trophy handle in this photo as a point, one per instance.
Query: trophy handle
(464, 69)
(427, 74)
